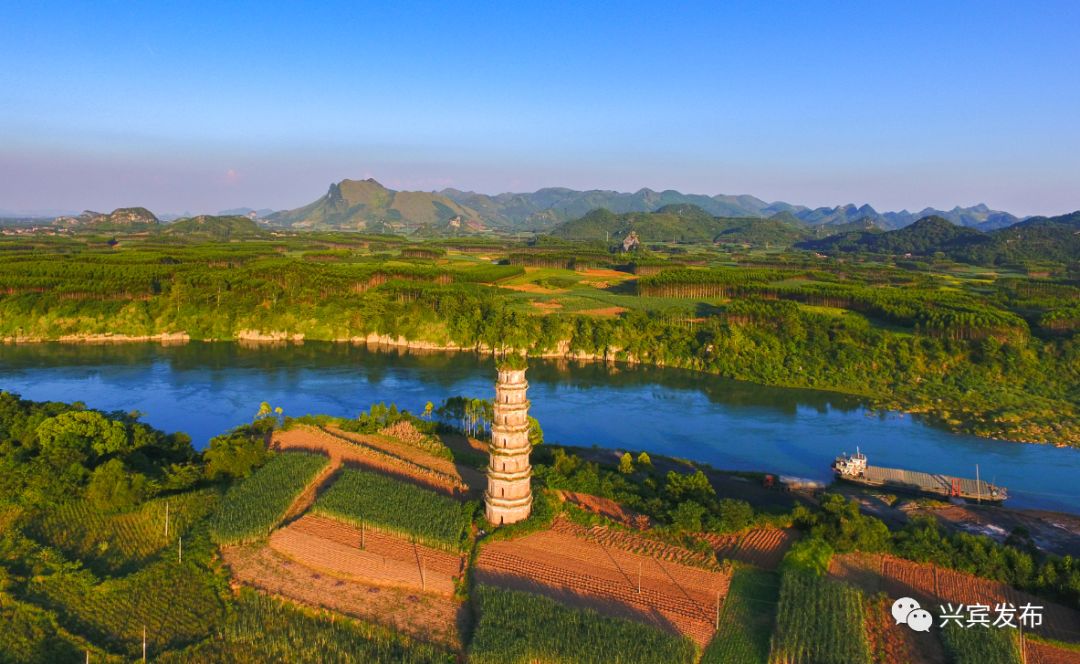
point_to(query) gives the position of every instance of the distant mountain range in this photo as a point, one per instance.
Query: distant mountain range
(1036, 238)
(368, 205)
(683, 222)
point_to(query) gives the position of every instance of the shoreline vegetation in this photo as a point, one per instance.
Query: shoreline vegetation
(989, 350)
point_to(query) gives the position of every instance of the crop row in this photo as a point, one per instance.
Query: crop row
(819, 621)
(251, 509)
(516, 628)
(377, 501)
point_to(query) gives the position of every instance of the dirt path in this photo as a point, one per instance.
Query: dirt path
(407, 464)
(307, 497)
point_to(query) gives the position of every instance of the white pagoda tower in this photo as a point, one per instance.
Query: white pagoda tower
(509, 494)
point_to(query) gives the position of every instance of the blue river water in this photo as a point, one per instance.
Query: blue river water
(206, 388)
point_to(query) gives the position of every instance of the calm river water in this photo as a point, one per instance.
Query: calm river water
(207, 388)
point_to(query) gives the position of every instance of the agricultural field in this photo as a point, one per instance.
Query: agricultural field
(264, 629)
(380, 502)
(762, 547)
(521, 628)
(29, 633)
(746, 623)
(981, 646)
(112, 543)
(251, 508)
(427, 617)
(368, 556)
(637, 543)
(377, 454)
(930, 583)
(177, 604)
(819, 621)
(590, 574)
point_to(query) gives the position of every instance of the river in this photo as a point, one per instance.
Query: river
(207, 388)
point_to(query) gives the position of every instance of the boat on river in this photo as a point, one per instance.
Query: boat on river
(854, 468)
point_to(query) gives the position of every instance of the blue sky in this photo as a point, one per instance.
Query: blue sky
(201, 107)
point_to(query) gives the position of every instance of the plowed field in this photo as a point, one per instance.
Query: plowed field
(610, 537)
(585, 572)
(933, 585)
(1041, 653)
(764, 547)
(433, 618)
(333, 547)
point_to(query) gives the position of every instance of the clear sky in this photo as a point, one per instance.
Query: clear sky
(181, 106)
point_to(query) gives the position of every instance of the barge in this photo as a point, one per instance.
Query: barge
(853, 468)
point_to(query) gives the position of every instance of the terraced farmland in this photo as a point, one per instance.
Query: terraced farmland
(378, 454)
(621, 539)
(251, 508)
(113, 542)
(383, 503)
(523, 628)
(763, 547)
(932, 584)
(373, 557)
(587, 573)
(426, 616)
(819, 621)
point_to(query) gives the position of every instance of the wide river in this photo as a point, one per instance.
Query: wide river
(207, 388)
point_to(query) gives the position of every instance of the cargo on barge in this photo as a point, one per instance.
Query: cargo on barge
(853, 468)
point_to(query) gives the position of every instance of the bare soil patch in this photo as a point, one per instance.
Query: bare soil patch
(584, 571)
(367, 555)
(604, 273)
(1044, 653)
(603, 312)
(605, 507)
(432, 618)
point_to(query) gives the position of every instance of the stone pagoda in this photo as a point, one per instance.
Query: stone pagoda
(509, 494)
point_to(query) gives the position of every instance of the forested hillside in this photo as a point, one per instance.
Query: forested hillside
(1040, 238)
(992, 353)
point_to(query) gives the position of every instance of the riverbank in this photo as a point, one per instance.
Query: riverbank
(952, 416)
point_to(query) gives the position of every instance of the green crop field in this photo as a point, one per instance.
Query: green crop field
(251, 509)
(818, 621)
(747, 621)
(359, 496)
(175, 603)
(263, 629)
(115, 542)
(519, 628)
(979, 645)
